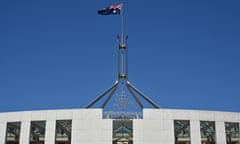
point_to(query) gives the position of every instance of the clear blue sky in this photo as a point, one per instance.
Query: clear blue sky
(57, 54)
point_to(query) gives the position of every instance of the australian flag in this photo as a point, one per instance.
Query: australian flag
(111, 10)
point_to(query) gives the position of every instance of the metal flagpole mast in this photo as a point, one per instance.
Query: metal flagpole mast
(122, 68)
(122, 60)
(122, 17)
(124, 41)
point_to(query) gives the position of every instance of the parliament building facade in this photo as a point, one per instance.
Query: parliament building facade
(90, 126)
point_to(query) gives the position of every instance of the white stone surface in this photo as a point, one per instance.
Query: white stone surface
(195, 132)
(3, 127)
(220, 135)
(50, 131)
(88, 127)
(24, 135)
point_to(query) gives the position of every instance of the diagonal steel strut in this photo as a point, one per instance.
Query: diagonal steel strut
(135, 97)
(109, 97)
(102, 95)
(141, 94)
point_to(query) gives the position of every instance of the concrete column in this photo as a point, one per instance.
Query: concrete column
(3, 127)
(195, 132)
(220, 132)
(24, 132)
(168, 131)
(50, 132)
(138, 131)
(76, 131)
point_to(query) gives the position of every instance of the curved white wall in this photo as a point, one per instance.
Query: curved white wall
(88, 127)
(157, 125)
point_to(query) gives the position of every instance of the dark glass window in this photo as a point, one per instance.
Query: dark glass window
(37, 132)
(208, 133)
(13, 133)
(182, 131)
(63, 132)
(232, 133)
(122, 132)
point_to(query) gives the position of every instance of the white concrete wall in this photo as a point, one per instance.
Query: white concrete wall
(165, 119)
(155, 128)
(88, 127)
(2, 128)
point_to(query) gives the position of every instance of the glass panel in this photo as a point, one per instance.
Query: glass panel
(182, 131)
(232, 133)
(37, 132)
(208, 133)
(63, 131)
(122, 132)
(13, 133)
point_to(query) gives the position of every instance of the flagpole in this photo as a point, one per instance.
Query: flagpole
(122, 16)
